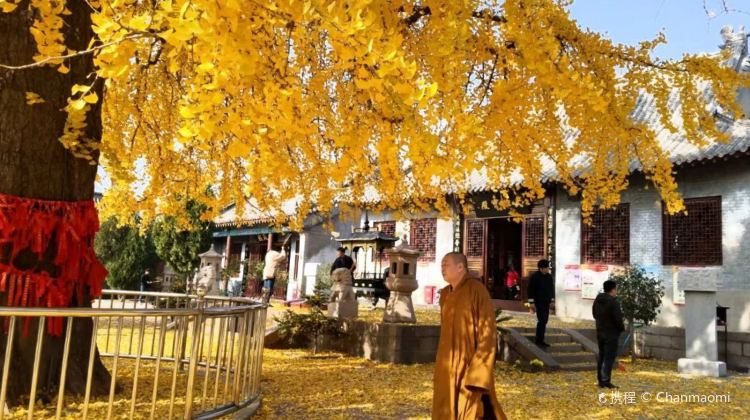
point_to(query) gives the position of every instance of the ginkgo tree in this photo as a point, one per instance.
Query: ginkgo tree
(380, 103)
(385, 103)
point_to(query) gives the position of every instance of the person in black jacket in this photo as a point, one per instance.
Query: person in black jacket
(145, 283)
(343, 261)
(541, 298)
(609, 325)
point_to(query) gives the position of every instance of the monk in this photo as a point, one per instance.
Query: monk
(464, 387)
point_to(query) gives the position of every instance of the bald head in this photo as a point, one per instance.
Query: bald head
(454, 267)
(457, 258)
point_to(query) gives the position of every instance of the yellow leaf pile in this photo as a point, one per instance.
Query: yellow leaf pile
(297, 385)
(73, 405)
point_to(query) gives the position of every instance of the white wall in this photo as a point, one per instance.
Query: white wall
(428, 272)
(317, 246)
(731, 181)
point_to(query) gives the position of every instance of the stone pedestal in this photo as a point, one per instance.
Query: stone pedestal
(343, 309)
(702, 367)
(701, 354)
(402, 282)
(343, 303)
(399, 308)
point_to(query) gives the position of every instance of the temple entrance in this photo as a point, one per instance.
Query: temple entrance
(494, 245)
(504, 238)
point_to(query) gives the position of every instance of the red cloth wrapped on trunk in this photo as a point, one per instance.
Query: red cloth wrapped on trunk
(66, 228)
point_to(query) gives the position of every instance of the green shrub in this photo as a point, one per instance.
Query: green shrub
(500, 318)
(640, 298)
(301, 330)
(323, 281)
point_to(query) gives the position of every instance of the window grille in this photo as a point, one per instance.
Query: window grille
(693, 238)
(607, 239)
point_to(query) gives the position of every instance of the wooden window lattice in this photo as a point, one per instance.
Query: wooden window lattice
(534, 231)
(423, 238)
(389, 228)
(693, 238)
(607, 239)
(474, 236)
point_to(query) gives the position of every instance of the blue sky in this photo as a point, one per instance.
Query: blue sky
(685, 22)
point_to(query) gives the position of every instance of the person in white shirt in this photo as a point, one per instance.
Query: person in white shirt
(275, 260)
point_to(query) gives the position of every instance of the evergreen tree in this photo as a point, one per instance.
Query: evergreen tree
(640, 298)
(125, 252)
(178, 243)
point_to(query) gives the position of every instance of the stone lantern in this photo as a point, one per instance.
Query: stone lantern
(208, 273)
(401, 281)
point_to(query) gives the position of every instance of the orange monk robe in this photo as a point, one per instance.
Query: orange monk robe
(466, 354)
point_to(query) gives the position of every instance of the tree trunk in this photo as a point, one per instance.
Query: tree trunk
(34, 164)
(631, 330)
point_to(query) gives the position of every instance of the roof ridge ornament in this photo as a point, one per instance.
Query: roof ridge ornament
(736, 43)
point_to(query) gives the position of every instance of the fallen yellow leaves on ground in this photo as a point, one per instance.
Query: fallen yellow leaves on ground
(121, 404)
(297, 385)
(212, 387)
(431, 316)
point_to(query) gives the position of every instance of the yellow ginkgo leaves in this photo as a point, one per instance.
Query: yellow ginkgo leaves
(33, 98)
(8, 5)
(371, 103)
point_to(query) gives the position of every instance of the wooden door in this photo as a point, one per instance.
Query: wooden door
(256, 252)
(475, 245)
(533, 245)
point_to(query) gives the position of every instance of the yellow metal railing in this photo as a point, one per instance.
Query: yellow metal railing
(210, 345)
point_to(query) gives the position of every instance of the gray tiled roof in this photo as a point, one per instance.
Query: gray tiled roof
(680, 149)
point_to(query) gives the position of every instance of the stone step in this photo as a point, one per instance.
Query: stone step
(532, 330)
(573, 358)
(565, 347)
(551, 338)
(579, 367)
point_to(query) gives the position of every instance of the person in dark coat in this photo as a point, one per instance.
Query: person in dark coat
(145, 283)
(609, 325)
(343, 261)
(541, 295)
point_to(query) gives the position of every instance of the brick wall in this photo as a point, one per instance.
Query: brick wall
(668, 343)
(730, 180)
(387, 227)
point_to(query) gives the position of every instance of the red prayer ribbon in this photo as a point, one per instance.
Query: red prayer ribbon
(30, 224)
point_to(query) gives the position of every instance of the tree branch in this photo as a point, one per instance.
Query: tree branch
(419, 12)
(486, 14)
(422, 11)
(78, 53)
